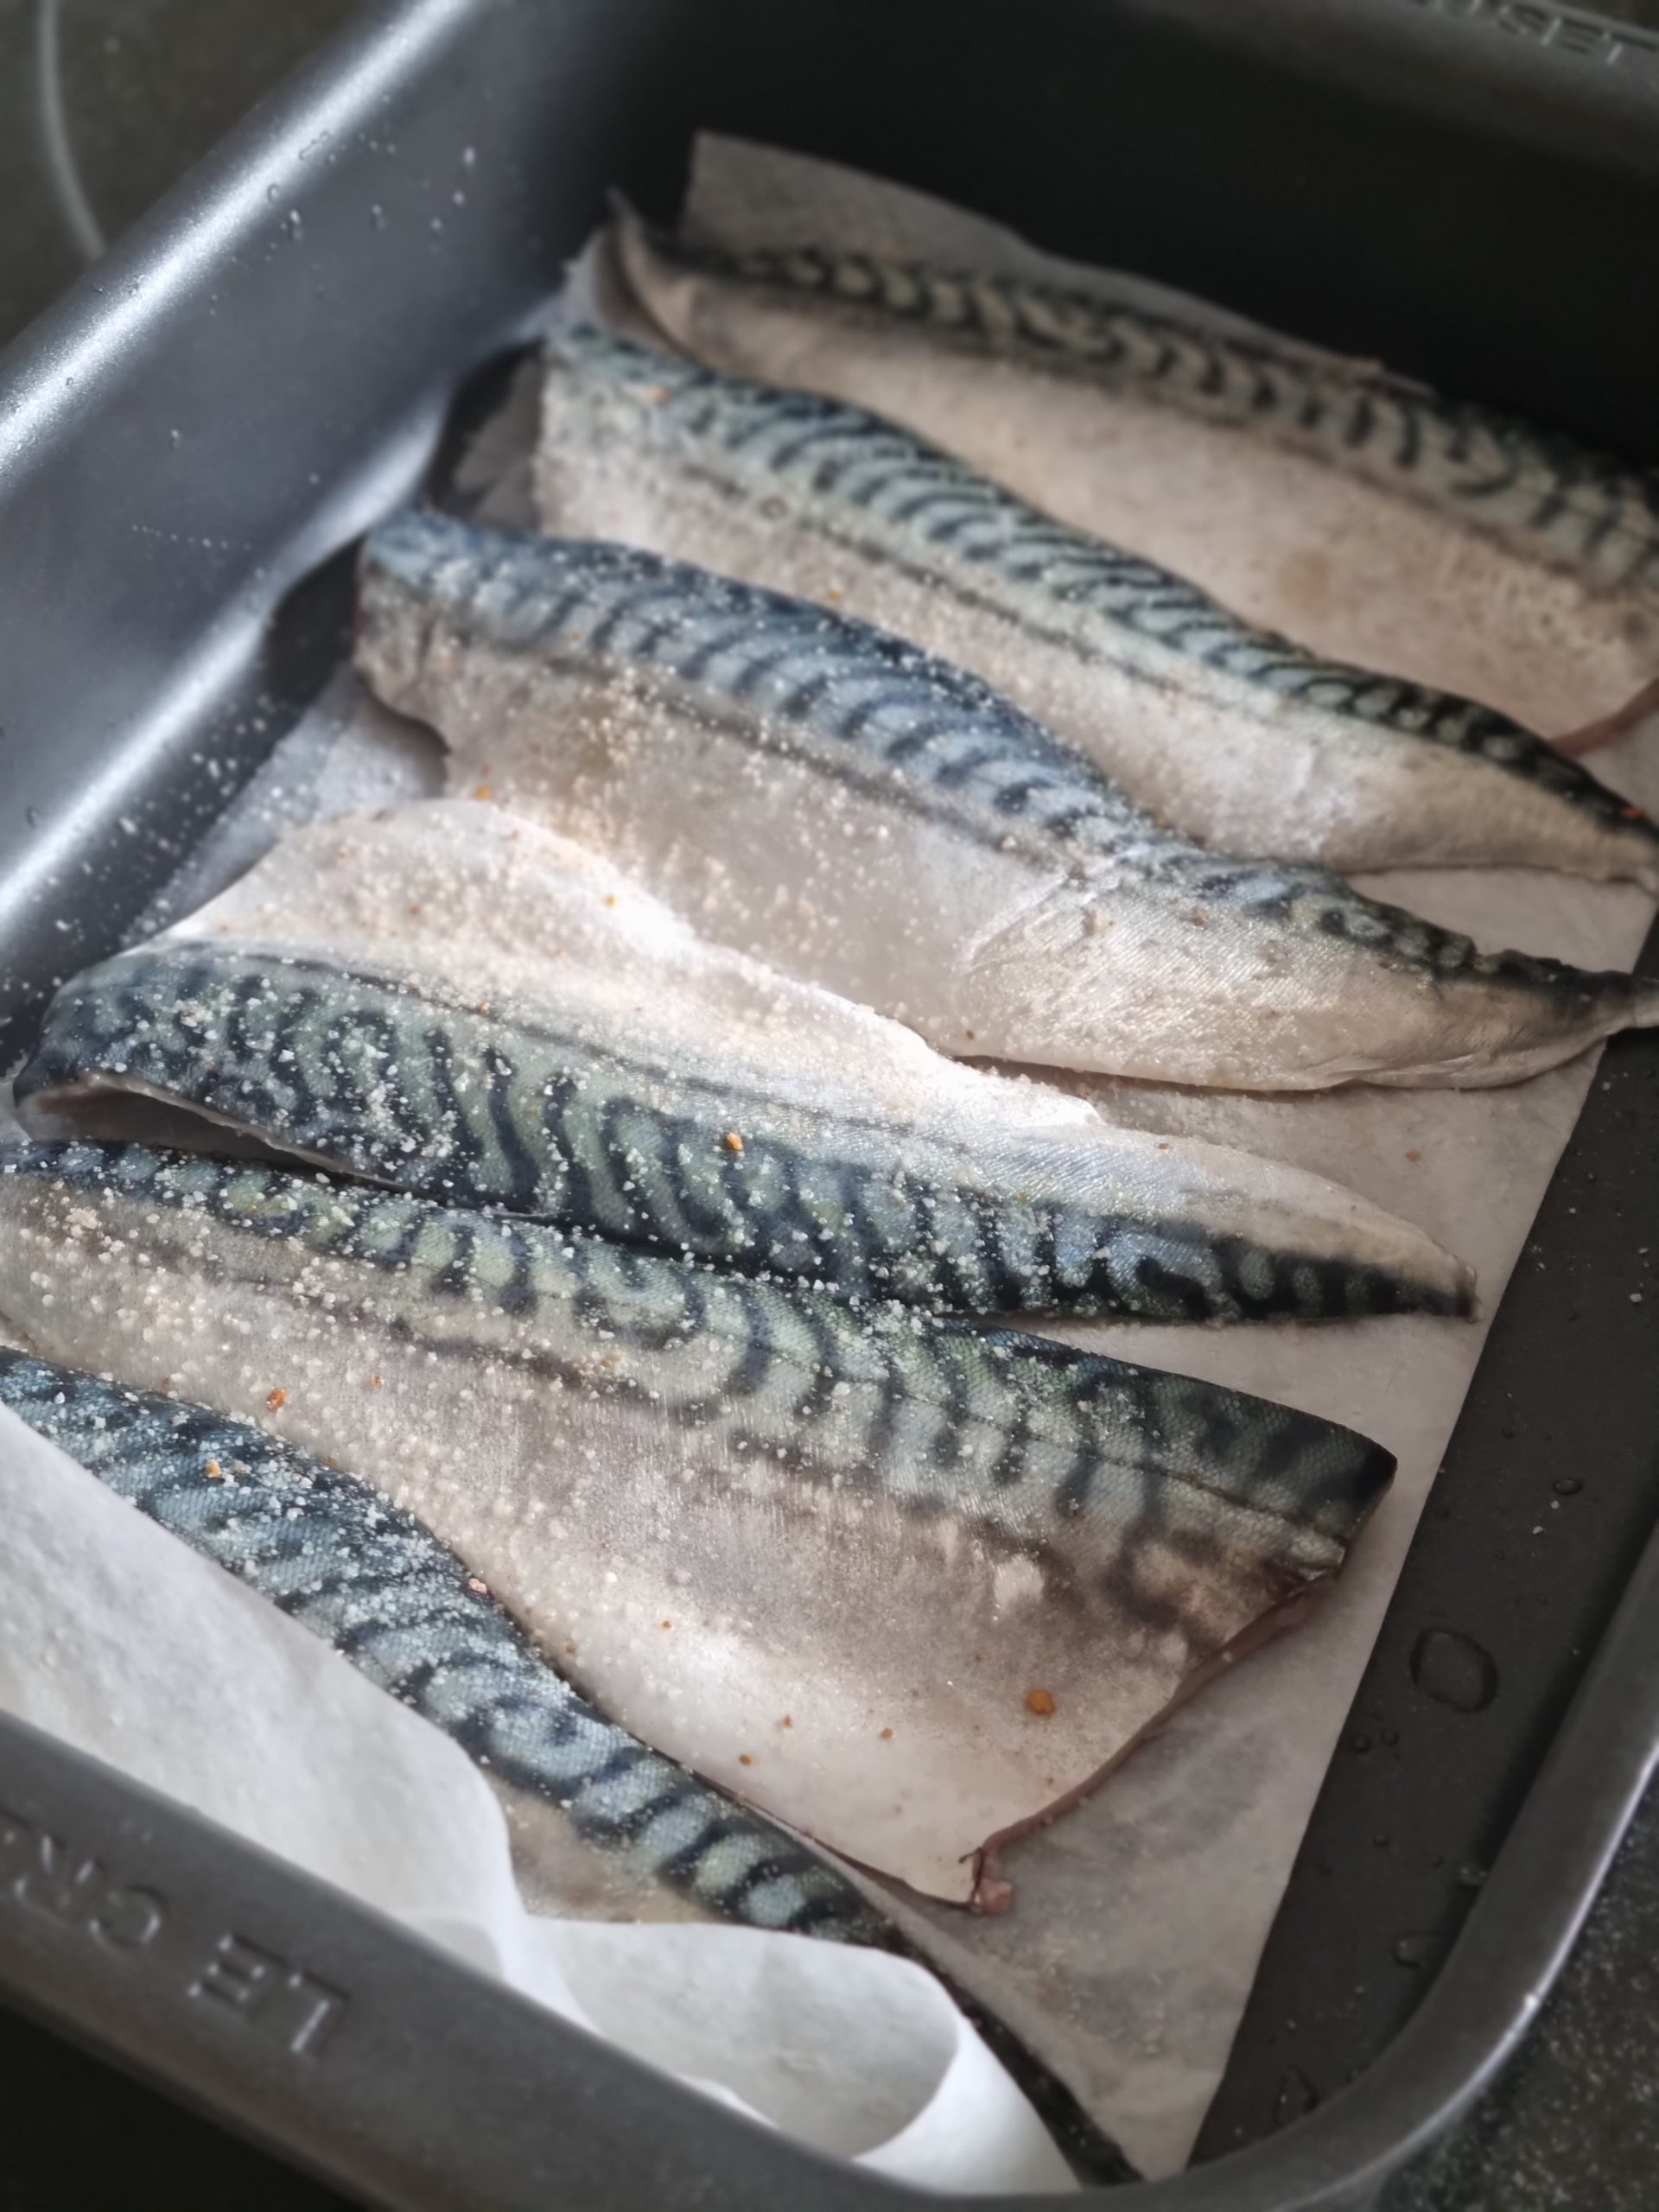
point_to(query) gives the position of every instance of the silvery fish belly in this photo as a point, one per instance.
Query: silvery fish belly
(1370, 519)
(625, 1076)
(824, 795)
(1232, 734)
(368, 1579)
(905, 1584)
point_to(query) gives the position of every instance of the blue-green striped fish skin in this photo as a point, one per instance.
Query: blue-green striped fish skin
(729, 1503)
(506, 1279)
(1582, 505)
(1369, 517)
(334, 1555)
(1203, 719)
(876, 820)
(357, 1571)
(376, 1076)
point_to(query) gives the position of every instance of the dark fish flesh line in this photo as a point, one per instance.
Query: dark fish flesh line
(1230, 734)
(908, 1584)
(370, 1580)
(1370, 519)
(626, 1077)
(822, 794)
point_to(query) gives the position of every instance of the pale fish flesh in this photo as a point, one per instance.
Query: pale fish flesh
(369, 1579)
(1235, 736)
(1369, 517)
(625, 1076)
(907, 1584)
(826, 796)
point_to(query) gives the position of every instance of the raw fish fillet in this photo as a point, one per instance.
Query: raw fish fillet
(457, 1002)
(1373, 520)
(1230, 734)
(906, 1584)
(822, 794)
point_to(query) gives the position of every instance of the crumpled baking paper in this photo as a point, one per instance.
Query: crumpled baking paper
(118, 1639)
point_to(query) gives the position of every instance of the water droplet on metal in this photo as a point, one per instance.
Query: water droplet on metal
(32, 816)
(1359, 1741)
(1454, 1669)
(1469, 1876)
(1390, 1735)
(1414, 1950)
(271, 192)
(376, 215)
(1297, 2096)
(1568, 1485)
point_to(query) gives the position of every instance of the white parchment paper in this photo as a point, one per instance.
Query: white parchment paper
(121, 1641)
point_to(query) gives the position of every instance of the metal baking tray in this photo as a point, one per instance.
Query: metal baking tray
(188, 445)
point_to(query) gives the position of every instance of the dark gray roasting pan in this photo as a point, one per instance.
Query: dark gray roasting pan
(189, 444)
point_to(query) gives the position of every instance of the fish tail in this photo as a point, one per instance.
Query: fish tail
(1628, 837)
(1453, 1294)
(1613, 1002)
(1167, 1274)
(1554, 1024)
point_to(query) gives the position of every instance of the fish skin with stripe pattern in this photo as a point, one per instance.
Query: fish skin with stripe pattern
(364, 1576)
(1372, 519)
(867, 817)
(629, 1078)
(1235, 736)
(908, 1584)
(337, 1558)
